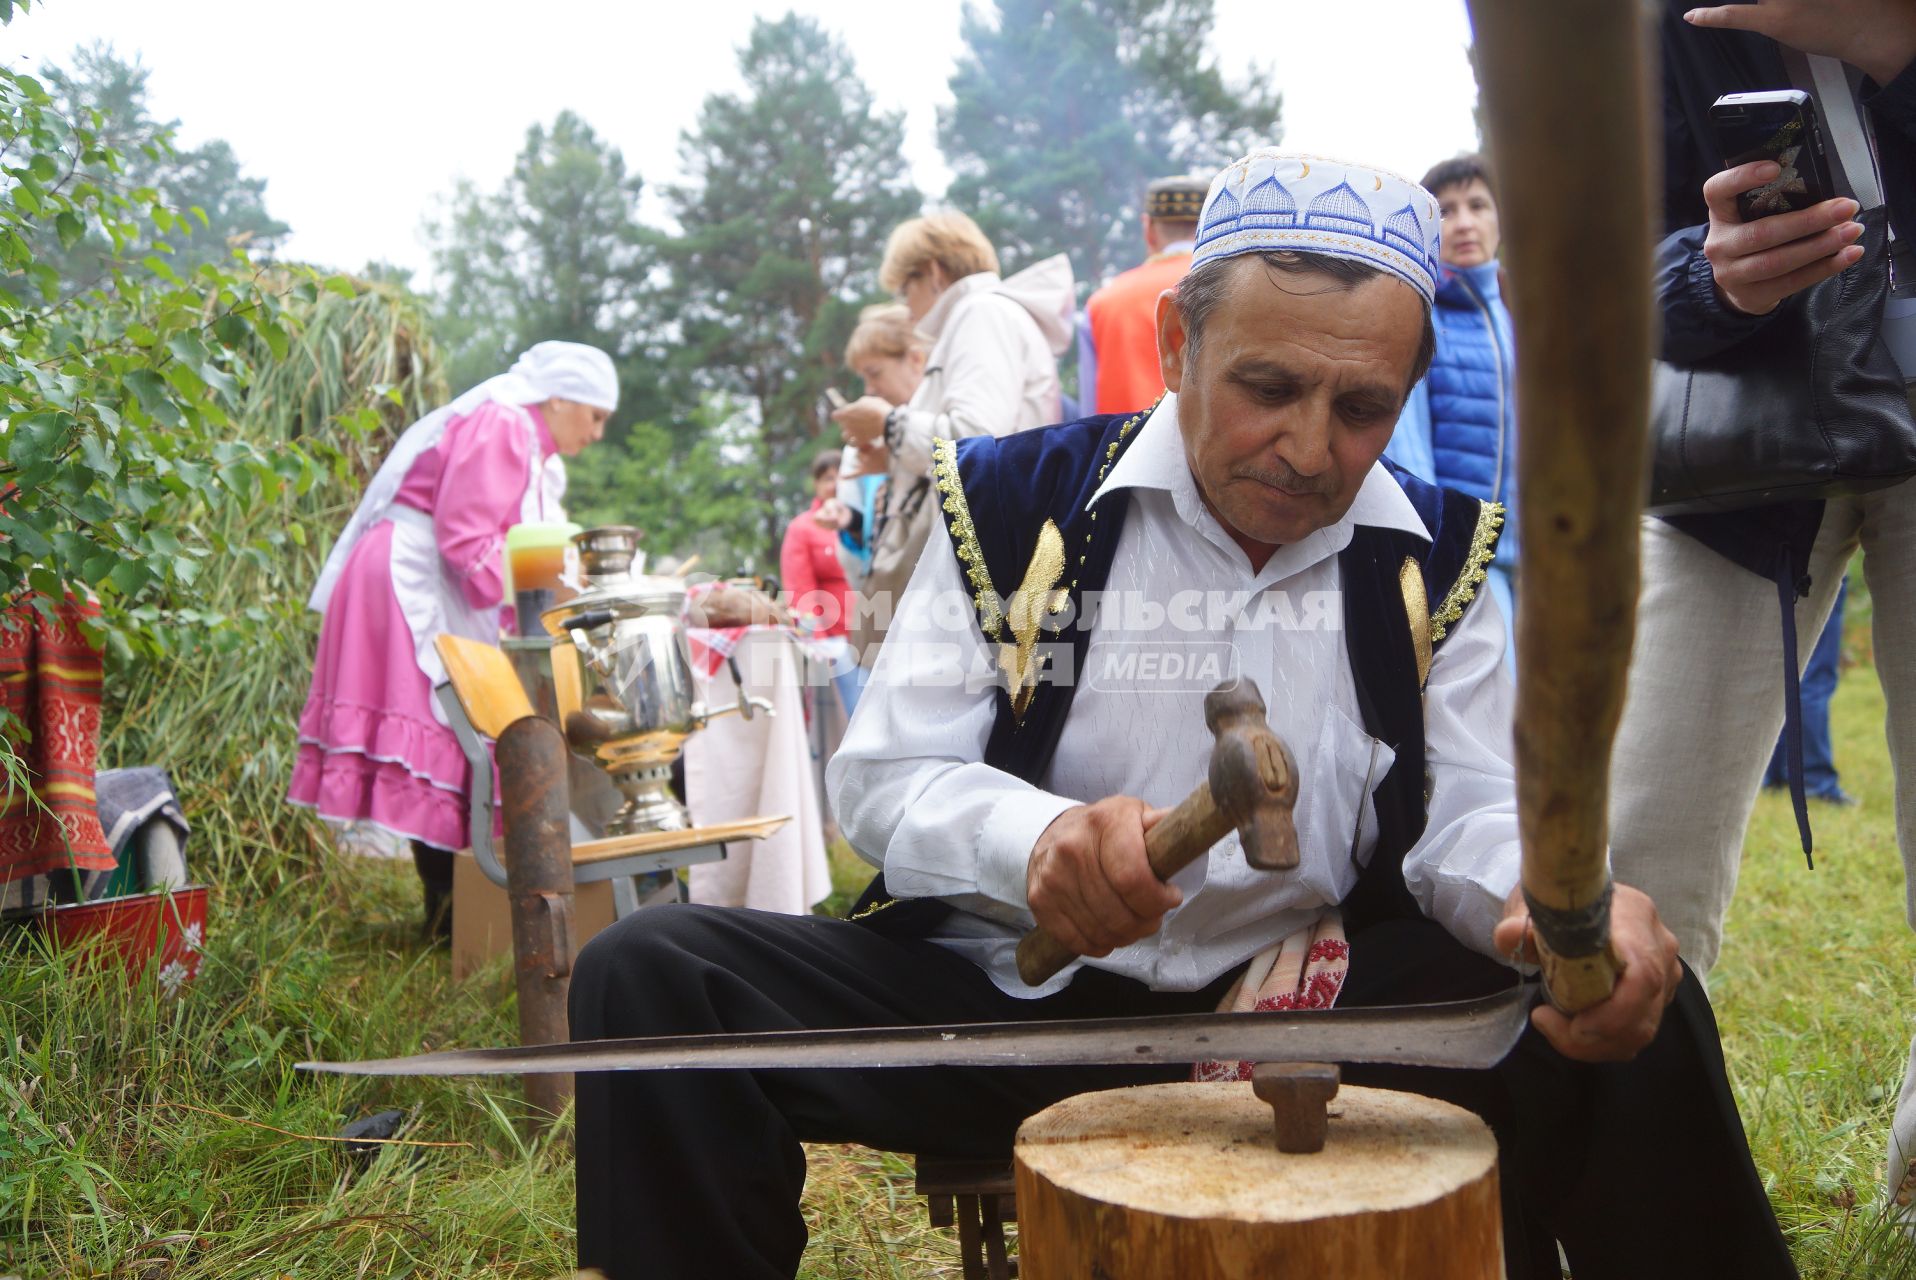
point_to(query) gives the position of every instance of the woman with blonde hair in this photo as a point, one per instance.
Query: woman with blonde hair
(991, 370)
(888, 354)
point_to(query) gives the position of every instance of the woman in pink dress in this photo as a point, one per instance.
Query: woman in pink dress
(423, 557)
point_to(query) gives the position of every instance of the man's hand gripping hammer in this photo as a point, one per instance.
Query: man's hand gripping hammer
(1251, 786)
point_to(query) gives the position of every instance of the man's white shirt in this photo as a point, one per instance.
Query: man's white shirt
(1181, 610)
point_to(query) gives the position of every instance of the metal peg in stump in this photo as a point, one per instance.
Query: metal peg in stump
(1298, 1093)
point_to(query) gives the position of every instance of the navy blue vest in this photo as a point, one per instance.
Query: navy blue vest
(998, 493)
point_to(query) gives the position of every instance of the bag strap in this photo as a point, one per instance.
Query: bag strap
(1827, 80)
(1793, 705)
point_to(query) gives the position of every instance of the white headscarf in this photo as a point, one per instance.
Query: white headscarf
(547, 370)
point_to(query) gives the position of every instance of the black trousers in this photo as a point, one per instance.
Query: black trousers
(1639, 1168)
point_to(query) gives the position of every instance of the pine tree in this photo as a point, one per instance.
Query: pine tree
(1064, 109)
(793, 186)
(557, 252)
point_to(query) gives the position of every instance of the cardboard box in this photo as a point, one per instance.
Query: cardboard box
(482, 917)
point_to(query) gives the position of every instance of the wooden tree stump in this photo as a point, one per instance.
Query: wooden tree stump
(1186, 1181)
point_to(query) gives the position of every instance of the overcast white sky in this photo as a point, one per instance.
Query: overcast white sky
(361, 114)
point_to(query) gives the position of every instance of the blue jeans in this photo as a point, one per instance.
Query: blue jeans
(850, 684)
(1819, 683)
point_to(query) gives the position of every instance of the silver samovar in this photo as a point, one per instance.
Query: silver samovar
(636, 705)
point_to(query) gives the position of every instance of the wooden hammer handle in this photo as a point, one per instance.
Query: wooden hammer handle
(1178, 839)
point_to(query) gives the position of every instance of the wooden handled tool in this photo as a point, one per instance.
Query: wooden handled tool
(1252, 786)
(535, 807)
(1566, 98)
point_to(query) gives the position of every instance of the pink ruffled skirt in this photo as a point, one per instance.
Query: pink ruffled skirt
(370, 748)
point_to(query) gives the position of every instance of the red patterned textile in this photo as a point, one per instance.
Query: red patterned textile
(1303, 971)
(50, 682)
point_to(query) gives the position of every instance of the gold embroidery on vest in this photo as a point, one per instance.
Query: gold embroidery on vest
(1483, 545)
(1417, 608)
(876, 907)
(944, 470)
(1036, 596)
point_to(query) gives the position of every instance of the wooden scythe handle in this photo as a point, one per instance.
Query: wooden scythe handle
(1566, 97)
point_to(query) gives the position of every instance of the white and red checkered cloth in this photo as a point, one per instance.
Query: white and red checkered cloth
(711, 646)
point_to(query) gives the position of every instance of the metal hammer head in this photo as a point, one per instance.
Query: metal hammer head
(1253, 776)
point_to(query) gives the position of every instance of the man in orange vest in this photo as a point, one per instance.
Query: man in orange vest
(1118, 347)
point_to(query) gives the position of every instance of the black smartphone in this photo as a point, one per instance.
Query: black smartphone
(1779, 125)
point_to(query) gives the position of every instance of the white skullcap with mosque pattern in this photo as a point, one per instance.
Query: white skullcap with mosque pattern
(1276, 201)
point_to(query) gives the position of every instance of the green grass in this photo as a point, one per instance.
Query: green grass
(1814, 996)
(110, 1164)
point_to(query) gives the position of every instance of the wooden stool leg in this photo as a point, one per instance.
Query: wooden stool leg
(996, 1265)
(971, 1252)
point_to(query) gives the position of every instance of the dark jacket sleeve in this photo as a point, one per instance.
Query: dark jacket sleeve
(1697, 324)
(1892, 111)
(1894, 107)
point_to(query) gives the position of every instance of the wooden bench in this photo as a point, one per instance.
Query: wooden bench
(978, 1197)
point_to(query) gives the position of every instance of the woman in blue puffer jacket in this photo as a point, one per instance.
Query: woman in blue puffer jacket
(1459, 427)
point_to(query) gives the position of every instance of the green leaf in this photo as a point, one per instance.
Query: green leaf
(29, 539)
(35, 439)
(70, 227)
(187, 347)
(142, 494)
(341, 285)
(129, 576)
(150, 389)
(276, 340)
(91, 508)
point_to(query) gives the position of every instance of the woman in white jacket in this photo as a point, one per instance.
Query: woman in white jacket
(992, 370)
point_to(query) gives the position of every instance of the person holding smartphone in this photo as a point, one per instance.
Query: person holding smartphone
(1706, 687)
(992, 369)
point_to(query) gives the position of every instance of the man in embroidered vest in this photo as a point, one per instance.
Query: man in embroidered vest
(1118, 342)
(1037, 705)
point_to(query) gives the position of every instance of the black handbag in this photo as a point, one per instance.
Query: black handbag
(1813, 404)
(1810, 406)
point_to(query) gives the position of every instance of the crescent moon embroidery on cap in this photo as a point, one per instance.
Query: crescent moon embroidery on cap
(1257, 206)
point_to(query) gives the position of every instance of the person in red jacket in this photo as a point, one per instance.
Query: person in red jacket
(1118, 344)
(815, 577)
